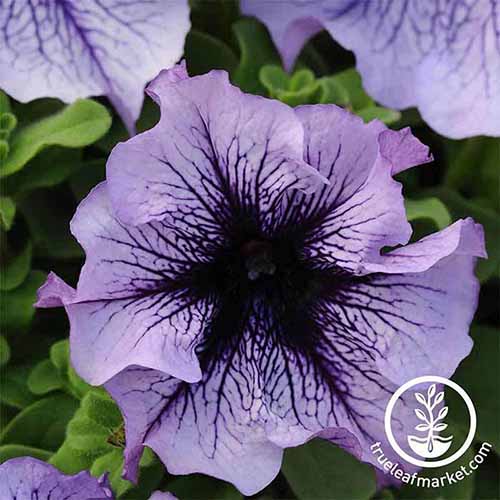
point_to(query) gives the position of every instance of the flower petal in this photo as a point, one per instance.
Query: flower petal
(27, 477)
(464, 237)
(208, 427)
(216, 152)
(70, 50)
(130, 307)
(291, 24)
(162, 495)
(361, 210)
(443, 58)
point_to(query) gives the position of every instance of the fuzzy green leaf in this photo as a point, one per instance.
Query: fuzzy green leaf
(16, 306)
(16, 271)
(320, 469)
(7, 212)
(44, 378)
(77, 125)
(41, 424)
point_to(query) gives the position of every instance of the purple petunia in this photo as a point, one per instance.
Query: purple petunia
(441, 56)
(235, 299)
(27, 478)
(79, 48)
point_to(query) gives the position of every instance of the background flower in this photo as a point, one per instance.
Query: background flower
(75, 49)
(442, 57)
(26, 478)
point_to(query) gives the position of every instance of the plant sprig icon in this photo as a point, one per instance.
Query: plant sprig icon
(432, 445)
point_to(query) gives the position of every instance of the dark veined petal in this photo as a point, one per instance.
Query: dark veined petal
(349, 220)
(216, 152)
(28, 478)
(443, 57)
(328, 371)
(129, 307)
(71, 49)
(208, 427)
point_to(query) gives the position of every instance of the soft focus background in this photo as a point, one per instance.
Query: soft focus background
(48, 412)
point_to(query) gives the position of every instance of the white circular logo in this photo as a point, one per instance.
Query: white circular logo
(428, 442)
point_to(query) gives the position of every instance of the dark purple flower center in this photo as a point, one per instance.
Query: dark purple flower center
(252, 271)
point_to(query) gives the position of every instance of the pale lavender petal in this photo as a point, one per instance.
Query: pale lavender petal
(361, 210)
(27, 478)
(442, 57)
(213, 427)
(128, 308)
(215, 151)
(165, 78)
(291, 24)
(70, 49)
(162, 495)
(464, 237)
(54, 292)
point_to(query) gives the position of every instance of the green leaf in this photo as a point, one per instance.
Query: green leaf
(428, 208)
(320, 469)
(4, 351)
(201, 487)
(257, 50)
(478, 376)
(49, 168)
(44, 378)
(4, 147)
(459, 208)
(9, 451)
(16, 270)
(91, 431)
(274, 79)
(203, 53)
(301, 79)
(7, 212)
(385, 115)
(48, 213)
(488, 479)
(333, 92)
(301, 88)
(69, 379)
(100, 408)
(83, 180)
(16, 306)
(8, 122)
(4, 102)
(14, 391)
(474, 167)
(350, 80)
(42, 424)
(112, 462)
(77, 125)
(462, 490)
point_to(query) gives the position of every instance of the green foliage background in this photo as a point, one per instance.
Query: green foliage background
(52, 154)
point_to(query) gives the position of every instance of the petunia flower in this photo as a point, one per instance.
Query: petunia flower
(81, 48)
(237, 296)
(443, 57)
(27, 478)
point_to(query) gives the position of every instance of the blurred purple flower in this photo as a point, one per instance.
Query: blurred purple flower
(70, 49)
(27, 478)
(441, 56)
(235, 298)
